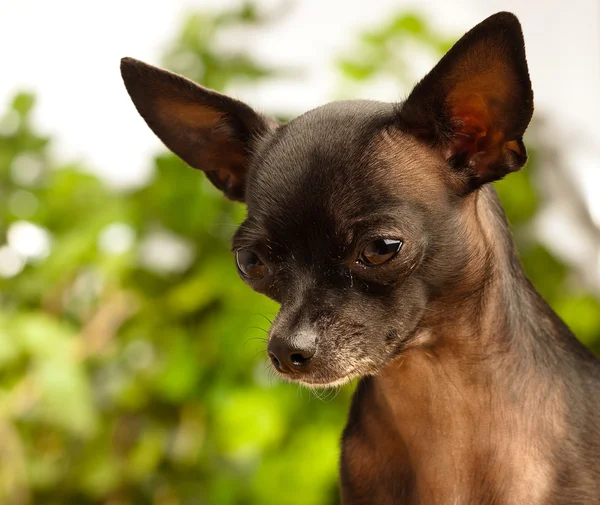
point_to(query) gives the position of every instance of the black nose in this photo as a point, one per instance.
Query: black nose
(287, 357)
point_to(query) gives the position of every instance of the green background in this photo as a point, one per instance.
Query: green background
(125, 380)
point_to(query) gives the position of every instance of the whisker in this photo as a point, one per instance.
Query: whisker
(265, 317)
(256, 328)
(256, 354)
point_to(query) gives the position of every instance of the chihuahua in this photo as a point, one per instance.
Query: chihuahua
(376, 229)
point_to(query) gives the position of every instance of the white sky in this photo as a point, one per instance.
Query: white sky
(68, 51)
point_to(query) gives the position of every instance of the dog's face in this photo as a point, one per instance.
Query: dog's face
(354, 209)
(340, 225)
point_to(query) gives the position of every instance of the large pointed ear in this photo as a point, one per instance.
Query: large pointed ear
(206, 129)
(475, 105)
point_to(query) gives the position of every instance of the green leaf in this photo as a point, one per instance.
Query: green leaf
(23, 103)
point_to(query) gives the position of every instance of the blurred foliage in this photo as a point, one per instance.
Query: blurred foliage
(132, 365)
(201, 52)
(384, 49)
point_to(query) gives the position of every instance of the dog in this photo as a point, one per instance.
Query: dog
(376, 229)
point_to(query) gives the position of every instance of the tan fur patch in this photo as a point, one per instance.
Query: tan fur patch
(409, 163)
(188, 114)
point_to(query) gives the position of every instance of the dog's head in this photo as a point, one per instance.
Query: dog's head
(354, 209)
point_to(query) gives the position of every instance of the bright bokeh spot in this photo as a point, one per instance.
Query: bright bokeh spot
(116, 238)
(30, 240)
(165, 252)
(27, 168)
(11, 262)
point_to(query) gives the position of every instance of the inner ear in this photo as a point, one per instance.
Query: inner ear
(477, 102)
(207, 130)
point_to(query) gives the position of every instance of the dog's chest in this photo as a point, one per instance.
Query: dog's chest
(417, 458)
(379, 475)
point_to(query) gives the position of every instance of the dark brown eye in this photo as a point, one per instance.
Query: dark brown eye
(379, 251)
(250, 265)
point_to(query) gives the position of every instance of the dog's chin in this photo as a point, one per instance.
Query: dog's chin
(321, 380)
(327, 384)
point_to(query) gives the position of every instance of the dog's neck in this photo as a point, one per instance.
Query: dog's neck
(473, 393)
(490, 308)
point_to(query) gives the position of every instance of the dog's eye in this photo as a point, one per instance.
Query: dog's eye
(250, 265)
(379, 251)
